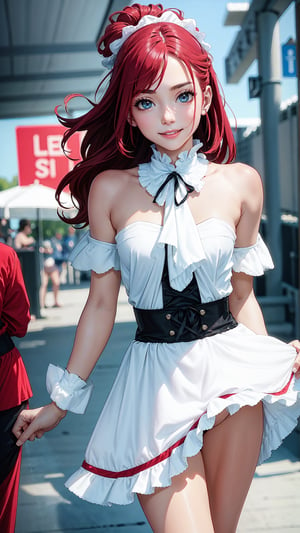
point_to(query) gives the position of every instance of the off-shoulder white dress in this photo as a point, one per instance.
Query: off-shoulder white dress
(166, 395)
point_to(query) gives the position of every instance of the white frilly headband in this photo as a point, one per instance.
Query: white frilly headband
(167, 16)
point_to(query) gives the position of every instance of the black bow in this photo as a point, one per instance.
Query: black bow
(177, 178)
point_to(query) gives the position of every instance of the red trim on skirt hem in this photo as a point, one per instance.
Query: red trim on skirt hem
(164, 455)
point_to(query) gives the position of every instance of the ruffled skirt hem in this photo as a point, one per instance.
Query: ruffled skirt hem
(281, 411)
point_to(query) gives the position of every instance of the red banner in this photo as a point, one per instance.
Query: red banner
(40, 157)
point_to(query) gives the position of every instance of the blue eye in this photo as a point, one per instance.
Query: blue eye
(143, 104)
(186, 96)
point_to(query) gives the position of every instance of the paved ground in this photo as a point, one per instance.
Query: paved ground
(46, 506)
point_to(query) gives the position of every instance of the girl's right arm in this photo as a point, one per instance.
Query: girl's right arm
(94, 327)
(95, 324)
(93, 331)
(98, 316)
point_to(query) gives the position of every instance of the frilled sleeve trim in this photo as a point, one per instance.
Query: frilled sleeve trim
(91, 254)
(253, 260)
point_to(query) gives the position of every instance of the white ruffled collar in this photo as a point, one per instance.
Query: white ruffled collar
(169, 185)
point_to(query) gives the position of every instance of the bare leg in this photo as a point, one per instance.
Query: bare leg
(209, 496)
(43, 289)
(182, 507)
(54, 276)
(230, 453)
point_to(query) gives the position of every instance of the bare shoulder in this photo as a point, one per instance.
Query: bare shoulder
(105, 189)
(239, 180)
(247, 182)
(244, 178)
(110, 182)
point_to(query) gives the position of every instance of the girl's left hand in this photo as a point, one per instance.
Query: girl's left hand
(296, 367)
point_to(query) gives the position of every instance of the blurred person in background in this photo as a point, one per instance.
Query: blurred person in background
(2, 237)
(5, 231)
(15, 388)
(50, 272)
(58, 255)
(24, 239)
(58, 251)
(69, 242)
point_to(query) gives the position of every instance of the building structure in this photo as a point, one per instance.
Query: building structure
(276, 141)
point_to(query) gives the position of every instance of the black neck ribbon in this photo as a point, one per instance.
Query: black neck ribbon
(177, 179)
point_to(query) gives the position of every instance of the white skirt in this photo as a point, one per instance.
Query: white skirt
(166, 395)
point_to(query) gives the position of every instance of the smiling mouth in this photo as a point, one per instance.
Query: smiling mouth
(170, 133)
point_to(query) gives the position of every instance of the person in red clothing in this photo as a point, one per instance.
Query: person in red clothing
(15, 389)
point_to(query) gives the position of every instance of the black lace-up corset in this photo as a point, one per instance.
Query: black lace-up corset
(183, 317)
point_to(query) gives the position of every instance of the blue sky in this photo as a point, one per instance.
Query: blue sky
(209, 15)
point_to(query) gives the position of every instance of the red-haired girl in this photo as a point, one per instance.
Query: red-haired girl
(202, 394)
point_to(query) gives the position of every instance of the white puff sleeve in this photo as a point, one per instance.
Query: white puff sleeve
(252, 260)
(91, 254)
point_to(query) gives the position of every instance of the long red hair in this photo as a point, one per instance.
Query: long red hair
(110, 142)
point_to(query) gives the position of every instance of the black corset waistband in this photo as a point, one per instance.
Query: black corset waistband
(184, 323)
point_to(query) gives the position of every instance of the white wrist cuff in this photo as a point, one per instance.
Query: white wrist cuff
(68, 391)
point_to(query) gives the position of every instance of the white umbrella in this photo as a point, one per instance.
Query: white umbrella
(32, 201)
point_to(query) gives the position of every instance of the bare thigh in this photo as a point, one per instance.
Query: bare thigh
(44, 279)
(209, 495)
(54, 276)
(184, 506)
(230, 453)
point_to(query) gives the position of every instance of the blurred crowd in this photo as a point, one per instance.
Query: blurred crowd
(54, 252)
